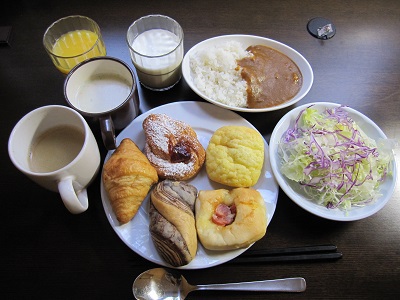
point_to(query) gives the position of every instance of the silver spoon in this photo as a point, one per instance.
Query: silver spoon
(160, 283)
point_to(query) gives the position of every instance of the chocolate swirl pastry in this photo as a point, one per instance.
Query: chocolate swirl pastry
(172, 147)
(172, 221)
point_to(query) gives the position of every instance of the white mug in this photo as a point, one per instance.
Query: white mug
(54, 146)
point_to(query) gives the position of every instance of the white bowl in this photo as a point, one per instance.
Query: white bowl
(248, 40)
(292, 189)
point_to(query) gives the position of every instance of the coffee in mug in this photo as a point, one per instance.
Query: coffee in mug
(54, 146)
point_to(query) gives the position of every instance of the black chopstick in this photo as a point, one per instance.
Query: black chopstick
(291, 254)
(292, 250)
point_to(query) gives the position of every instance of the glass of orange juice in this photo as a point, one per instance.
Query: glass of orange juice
(71, 40)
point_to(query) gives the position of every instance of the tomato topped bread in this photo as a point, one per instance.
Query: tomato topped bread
(227, 220)
(235, 156)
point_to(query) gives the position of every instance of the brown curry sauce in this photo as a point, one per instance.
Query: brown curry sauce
(272, 77)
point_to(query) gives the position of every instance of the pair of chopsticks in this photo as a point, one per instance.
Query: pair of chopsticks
(291, 254)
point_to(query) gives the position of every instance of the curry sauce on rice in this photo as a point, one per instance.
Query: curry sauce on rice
(256, 77)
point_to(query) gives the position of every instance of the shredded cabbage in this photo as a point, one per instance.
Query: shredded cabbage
(335, 162)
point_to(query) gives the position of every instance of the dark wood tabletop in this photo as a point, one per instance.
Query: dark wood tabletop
(48, 253)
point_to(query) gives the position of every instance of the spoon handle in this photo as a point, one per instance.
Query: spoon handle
(297, 284)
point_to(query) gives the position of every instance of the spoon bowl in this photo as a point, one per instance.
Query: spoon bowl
(160, 283)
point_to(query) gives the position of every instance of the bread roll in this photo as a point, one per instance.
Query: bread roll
(127, 178)
(227, 220)
(172, 222)
(235, 156)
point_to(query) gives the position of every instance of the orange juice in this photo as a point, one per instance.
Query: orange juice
(76, 46)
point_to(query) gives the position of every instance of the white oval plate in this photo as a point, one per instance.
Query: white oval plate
(292, 189)
(204, 118)
(248, 40)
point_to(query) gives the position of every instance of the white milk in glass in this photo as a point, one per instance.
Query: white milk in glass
(158, 58)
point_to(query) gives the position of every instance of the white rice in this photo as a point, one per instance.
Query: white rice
(216, 73)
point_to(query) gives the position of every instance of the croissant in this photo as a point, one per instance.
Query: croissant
(172, 222)
(127, 178)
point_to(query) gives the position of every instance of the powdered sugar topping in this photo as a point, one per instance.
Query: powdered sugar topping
(162, 133)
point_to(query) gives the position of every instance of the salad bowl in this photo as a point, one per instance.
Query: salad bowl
(295, 191)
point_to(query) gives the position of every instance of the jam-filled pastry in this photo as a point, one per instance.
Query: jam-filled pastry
(172, 222)
(227, 220)
(172, 147)
(127, 178)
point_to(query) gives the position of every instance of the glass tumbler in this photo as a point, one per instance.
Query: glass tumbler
(156, 47)
(71, 40)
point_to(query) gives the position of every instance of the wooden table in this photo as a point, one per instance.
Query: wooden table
(48, 253)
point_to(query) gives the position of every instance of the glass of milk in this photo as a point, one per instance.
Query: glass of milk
(156, 47)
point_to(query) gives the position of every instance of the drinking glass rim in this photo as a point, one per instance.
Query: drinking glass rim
(160, 55)
(63, 19)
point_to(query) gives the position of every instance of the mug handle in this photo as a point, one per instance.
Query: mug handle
(108, 132)
(75, 198)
